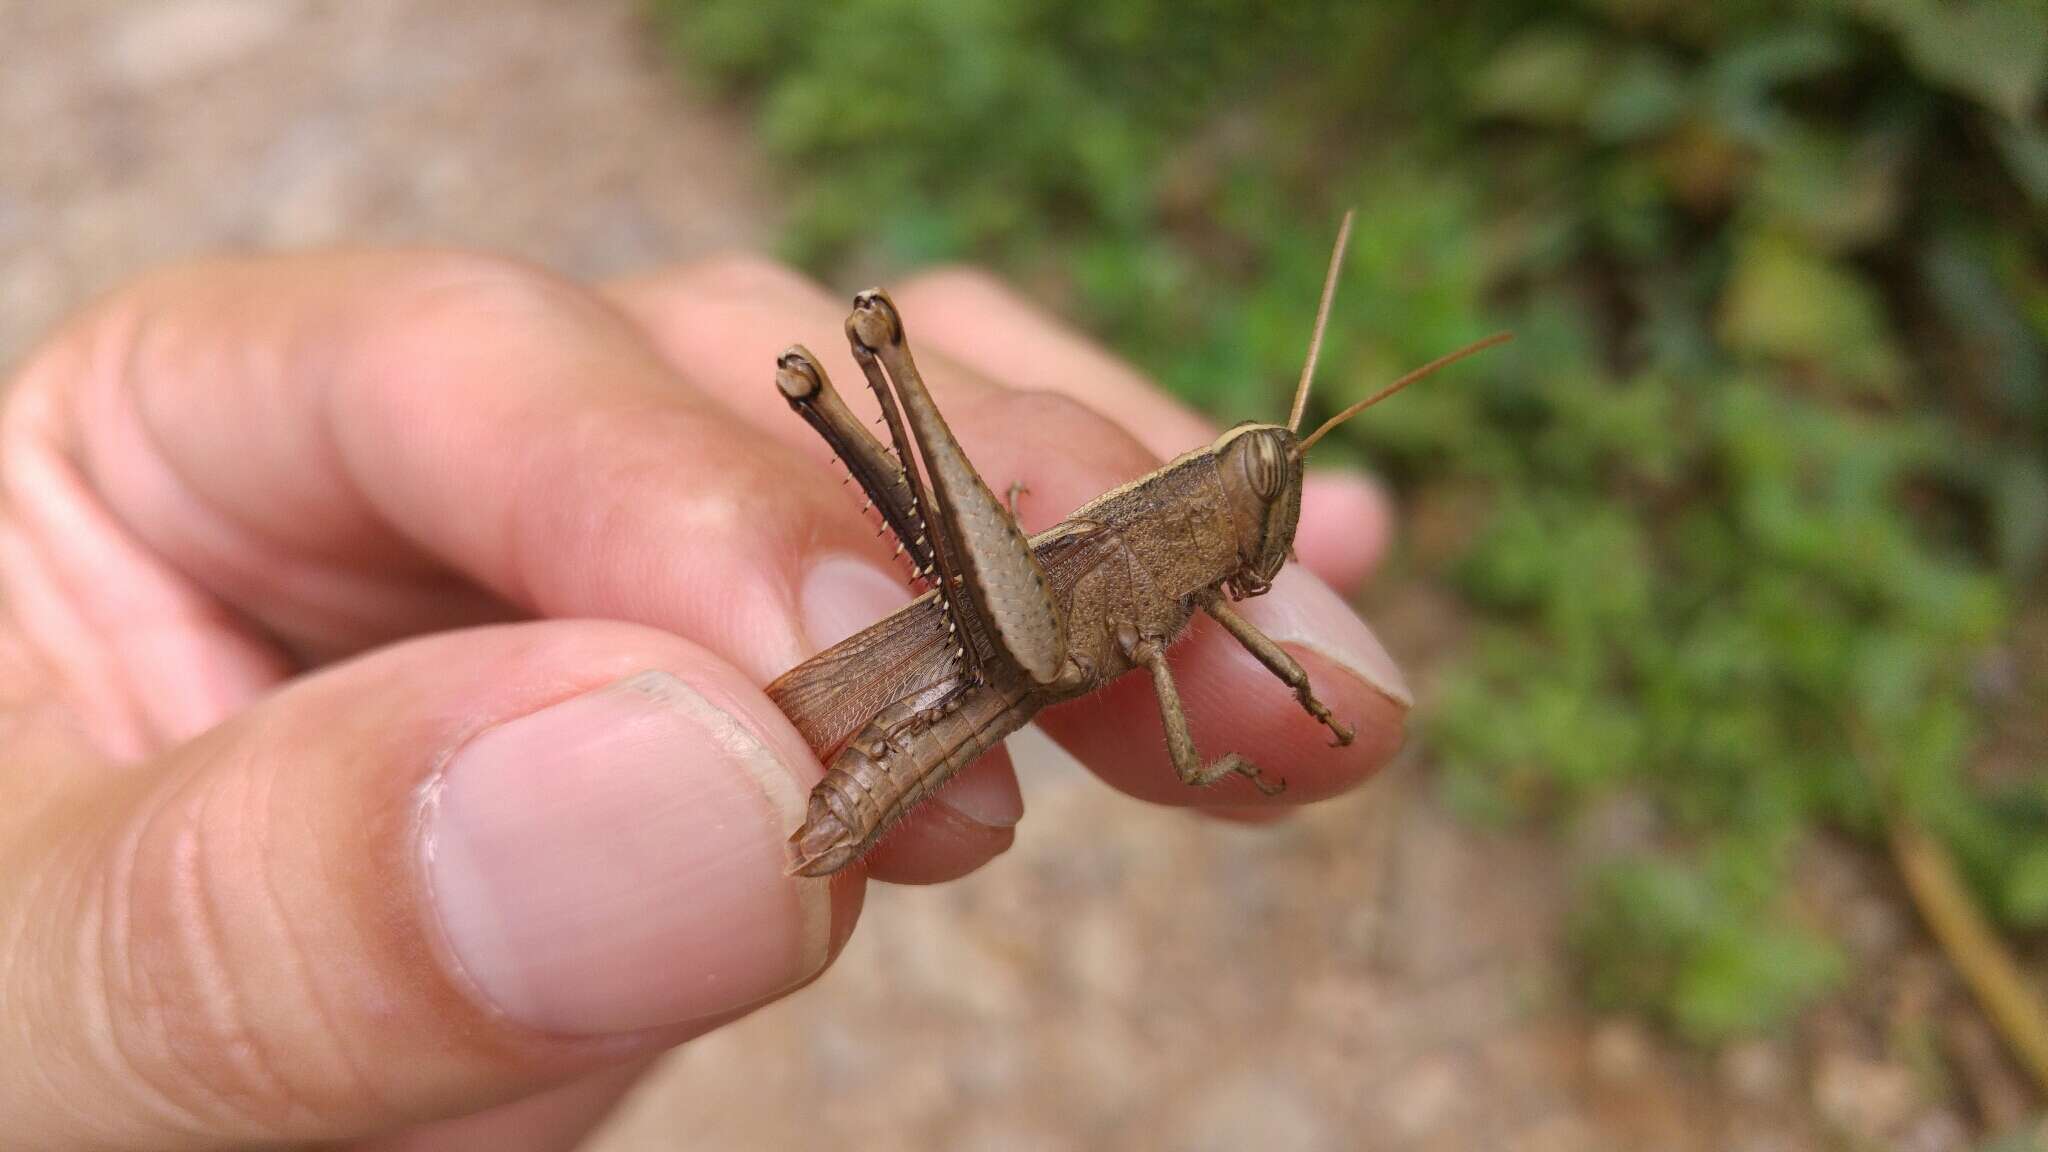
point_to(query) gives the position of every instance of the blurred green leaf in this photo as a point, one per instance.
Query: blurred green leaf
(1674, 938)
(1993, 51)
(2021, 517)
(2025, 148)
(1547, 76)
(1744, 981)
(1645, 95)
(2010, 362)
(1786, 303)
(1742, 83)
(2026, 889)
(1834, 193)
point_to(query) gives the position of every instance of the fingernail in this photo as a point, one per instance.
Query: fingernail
(617, 862)
(842, 595)
(1302, 611)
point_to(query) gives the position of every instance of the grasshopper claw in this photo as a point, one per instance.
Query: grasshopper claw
(1342, 734)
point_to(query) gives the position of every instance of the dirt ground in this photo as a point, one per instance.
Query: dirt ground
(1371, 975)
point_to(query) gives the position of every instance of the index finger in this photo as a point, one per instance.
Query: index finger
(334, 451)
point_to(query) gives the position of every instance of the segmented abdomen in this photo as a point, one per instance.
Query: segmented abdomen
(894, 762)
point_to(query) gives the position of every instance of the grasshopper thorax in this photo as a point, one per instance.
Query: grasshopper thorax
(1261, 475)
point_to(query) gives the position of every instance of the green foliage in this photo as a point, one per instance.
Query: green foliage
(1743, 508)
(1701, 944)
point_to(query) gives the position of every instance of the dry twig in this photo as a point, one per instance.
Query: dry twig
(2009, 999)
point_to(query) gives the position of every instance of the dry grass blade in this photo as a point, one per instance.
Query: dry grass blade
(2003, 989)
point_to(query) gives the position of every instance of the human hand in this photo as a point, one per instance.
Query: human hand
(385, 754)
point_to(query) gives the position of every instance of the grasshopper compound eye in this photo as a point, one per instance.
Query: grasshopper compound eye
(1266, 467)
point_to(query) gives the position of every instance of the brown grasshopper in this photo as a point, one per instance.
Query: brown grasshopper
(1010, 625)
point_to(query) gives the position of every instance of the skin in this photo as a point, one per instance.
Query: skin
(279, 538)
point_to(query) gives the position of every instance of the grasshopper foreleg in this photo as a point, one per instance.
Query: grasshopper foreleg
(1180, 743)
(1277, 661)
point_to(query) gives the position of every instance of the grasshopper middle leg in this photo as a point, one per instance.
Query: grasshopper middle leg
(1180, 743)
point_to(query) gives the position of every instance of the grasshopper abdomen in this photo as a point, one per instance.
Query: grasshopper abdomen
(897, 760)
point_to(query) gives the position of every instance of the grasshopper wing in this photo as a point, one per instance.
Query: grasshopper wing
(912, 653)
(831, 695)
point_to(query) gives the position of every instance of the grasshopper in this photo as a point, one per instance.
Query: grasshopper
(1011, 625)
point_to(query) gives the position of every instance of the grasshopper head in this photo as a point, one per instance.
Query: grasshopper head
(1261, 474)
(1261, 463)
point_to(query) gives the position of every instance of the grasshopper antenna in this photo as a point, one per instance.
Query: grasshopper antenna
(1315, 340)
(1301, 449)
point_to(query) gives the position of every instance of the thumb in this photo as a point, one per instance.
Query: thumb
(417, 884)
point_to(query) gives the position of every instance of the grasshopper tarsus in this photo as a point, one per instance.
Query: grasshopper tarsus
(1267, 785)
(1341, 734)
(1009, 625)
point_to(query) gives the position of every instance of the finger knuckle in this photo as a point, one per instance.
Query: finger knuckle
(458, 295)
(1086, 438)
(956, 283)
(1047, 410)
(748, 274)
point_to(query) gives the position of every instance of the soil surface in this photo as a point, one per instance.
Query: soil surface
(1369, 975)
